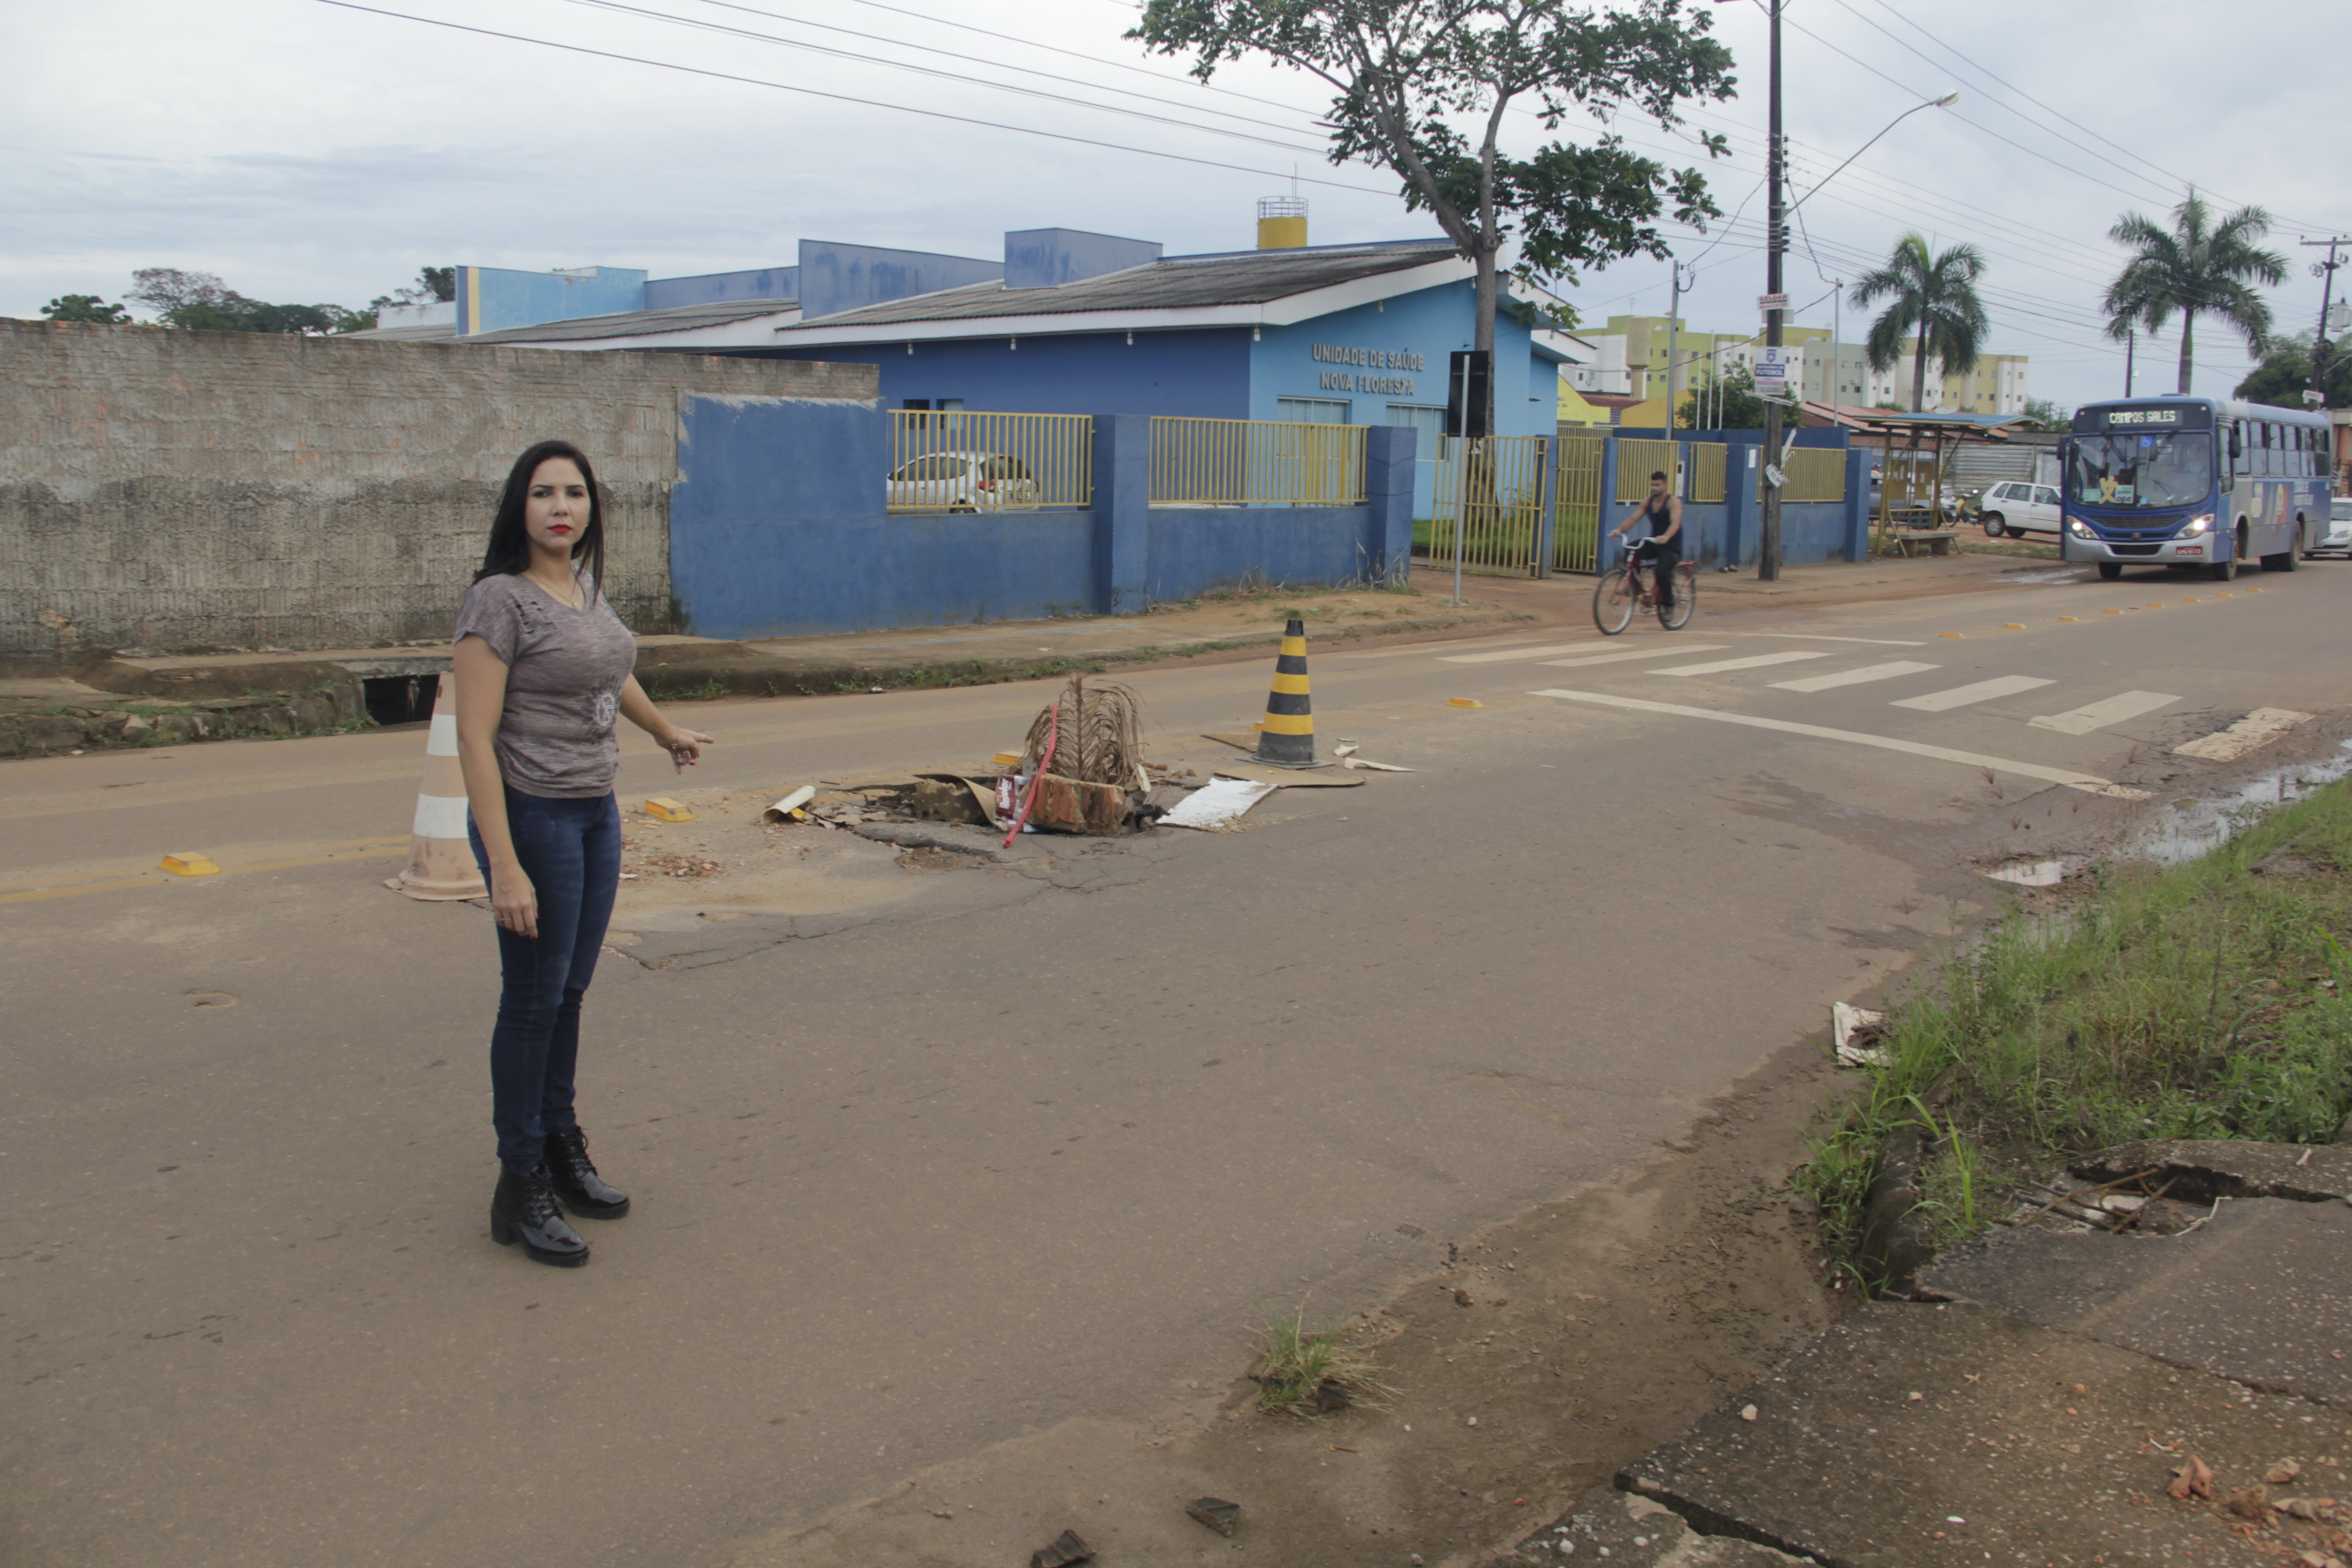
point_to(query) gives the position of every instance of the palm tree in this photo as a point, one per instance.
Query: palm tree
(2195, 267)
(1934, 296)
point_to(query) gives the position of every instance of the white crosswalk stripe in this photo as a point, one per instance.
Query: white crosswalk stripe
(1754, 662)
(1503, 655)
(1855, 677)
(1982, 691)
(2105, 711)
(1629, 657)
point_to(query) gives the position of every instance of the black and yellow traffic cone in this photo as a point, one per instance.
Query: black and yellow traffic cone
(1287, 739)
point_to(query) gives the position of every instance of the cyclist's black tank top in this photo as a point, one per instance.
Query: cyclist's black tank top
(1660, 511)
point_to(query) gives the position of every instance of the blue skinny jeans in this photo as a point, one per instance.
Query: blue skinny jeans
(571, 850)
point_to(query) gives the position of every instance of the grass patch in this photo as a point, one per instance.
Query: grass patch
(1304, 1371)
(2021, 547)
(2204, 1001)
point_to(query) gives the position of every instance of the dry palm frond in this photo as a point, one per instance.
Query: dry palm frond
(1100, 739)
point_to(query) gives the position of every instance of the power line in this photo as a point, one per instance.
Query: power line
(619, 7)
(845, 98)
(1000, 65)
(2087, 131)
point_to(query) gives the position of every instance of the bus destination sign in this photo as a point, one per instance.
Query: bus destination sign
(2154, 416)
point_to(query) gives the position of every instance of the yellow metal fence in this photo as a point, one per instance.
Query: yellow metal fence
(1706, 460)
(1256, 462)
(1637, 460)
(1814, 474)
(1576, 520)
(1489, 498)
(949, 460)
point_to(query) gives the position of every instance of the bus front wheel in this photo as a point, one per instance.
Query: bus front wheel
(2223, 571)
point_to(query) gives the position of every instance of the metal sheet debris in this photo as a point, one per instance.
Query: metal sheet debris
(1345, 750)
(1854, 1031)
(1219, 807)
(1286, 779)
(783, 809)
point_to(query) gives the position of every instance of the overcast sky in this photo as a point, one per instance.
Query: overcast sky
(306, 152)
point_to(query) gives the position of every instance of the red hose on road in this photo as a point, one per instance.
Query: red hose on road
(1052, 734)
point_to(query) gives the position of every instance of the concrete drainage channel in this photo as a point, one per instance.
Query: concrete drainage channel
(124, 702)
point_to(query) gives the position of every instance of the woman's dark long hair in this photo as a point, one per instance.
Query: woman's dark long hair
(510, 547)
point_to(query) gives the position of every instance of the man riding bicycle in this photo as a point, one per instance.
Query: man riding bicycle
(1663, 551)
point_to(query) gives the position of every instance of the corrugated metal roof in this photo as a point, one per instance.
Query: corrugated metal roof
(1243, 278)
(437, 332)
(632, 324)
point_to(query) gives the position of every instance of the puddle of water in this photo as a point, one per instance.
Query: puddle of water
(2062, 574)
(2200, 826)
(2030, 873)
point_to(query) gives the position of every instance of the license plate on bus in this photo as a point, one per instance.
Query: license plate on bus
(2188, 550)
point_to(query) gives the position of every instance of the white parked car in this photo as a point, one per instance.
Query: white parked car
(962, 481)
(2339, 527)
(2018, 506)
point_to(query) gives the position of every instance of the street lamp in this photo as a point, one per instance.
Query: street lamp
(1776, 244)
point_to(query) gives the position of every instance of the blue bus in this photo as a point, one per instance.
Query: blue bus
(2193, 483)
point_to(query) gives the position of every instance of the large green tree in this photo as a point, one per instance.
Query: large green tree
(1932, 296)
(2284, 374)
(2195, 267)
(1422, 88)
(85, 308)
(1730, 405)
(199, 301)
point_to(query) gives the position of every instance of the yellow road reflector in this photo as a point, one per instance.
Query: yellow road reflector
(2151, 607)
(661, 808)
(2189, 601)
(1005, 759)
(2225, 596)
(188, 863)
(2115, 612)
(2069, 618)
(2012, 625)
(1952, 633)
(2254, 590)
(1464, 702)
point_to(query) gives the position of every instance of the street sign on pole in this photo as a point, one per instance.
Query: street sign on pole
(1772, 374)
(1771, 301)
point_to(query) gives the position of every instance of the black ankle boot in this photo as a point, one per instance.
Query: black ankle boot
(576, 1183)
(523, 1209)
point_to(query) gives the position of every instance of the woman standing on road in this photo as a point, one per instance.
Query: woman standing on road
(543, 665)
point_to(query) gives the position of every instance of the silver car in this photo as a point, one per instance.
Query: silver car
(960, 482)
(2018, 506)
(2338, 538)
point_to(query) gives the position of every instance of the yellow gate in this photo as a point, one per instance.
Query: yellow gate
(1489, 498)
(1576, 514)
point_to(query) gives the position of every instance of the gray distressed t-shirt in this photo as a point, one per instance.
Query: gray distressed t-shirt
(565, 669)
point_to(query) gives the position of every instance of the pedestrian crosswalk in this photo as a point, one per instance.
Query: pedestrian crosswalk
(1867, 673)
(1977, 692)
(2105, 711)
(2087, 719)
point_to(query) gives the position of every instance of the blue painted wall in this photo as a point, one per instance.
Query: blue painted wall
(835, 277)
(777, 528)
(489, 298)
(1201, 371)
(1049, 257)
(716, 288)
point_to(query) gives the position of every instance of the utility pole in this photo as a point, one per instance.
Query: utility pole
(2315, 395)
(2131, 346)
(1674, 339)
(1768, 558)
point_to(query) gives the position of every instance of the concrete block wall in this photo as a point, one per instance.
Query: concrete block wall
(171, 491)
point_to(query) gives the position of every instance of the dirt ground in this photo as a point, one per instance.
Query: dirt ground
(1529, 1364)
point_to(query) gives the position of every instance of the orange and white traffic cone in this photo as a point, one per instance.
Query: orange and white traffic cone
(440, 862)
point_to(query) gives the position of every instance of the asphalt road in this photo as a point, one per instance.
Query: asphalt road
(996, 1151)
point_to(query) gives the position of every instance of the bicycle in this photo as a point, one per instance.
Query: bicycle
(1621, 592)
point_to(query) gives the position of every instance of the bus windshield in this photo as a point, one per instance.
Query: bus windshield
(2174, 469)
